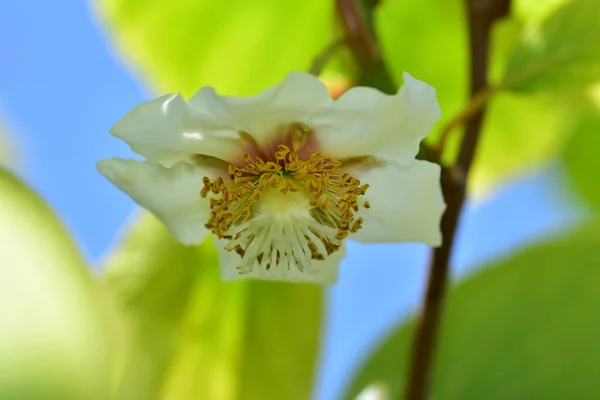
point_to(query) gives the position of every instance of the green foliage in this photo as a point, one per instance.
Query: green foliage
(431, 43)
(523, 328)
(534, 134)
(536, 10)
(247, 46)
(188, 335)
(561, 54)
(581, 158)
(240, 47)
(53, 338)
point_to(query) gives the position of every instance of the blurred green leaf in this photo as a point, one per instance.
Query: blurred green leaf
(581, 158)
(188, 335)
(536, 10)
(54, 341)
(240, 47)
(520, 132)
(416, 38)
(509, 332)
(561, 54)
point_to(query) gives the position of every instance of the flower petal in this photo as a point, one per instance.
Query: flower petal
(166, 130)
(406, 204)
(364, 121)
(292, 100)
(327, 270)
(172, 194)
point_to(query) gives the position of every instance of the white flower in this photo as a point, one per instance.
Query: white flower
(283, 177)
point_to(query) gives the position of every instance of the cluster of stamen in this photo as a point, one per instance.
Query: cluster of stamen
(329, 197)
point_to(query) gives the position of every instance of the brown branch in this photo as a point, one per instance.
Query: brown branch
(481, 16)
(356, 30)
(356, 21)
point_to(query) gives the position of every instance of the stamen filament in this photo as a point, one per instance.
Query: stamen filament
(280, 214)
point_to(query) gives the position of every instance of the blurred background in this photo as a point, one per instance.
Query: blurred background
(69, 70)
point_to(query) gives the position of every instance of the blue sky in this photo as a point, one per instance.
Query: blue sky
(61, 88)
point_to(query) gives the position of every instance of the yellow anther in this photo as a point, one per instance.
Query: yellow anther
(331, 195)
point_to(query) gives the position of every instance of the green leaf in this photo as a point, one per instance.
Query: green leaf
(54, 341)
(520, 132)
(416, 36)
(561, 54)
(240, 47)
(536, 10)
(523, 328)
(581, 158)
(188, 335)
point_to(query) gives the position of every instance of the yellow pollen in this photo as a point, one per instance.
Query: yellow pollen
(309, 207)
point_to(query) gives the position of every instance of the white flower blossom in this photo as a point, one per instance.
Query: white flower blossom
(282, 178)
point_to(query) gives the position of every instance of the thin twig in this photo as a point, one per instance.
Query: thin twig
(321, 60)
(481, 16)
(356, 21)
(477, 102)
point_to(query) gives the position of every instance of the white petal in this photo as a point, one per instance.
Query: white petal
(406, 204)
(292, 100)
(364, 121)
(166, 130)
(172, 194)
(327, 269)
(375, 391)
